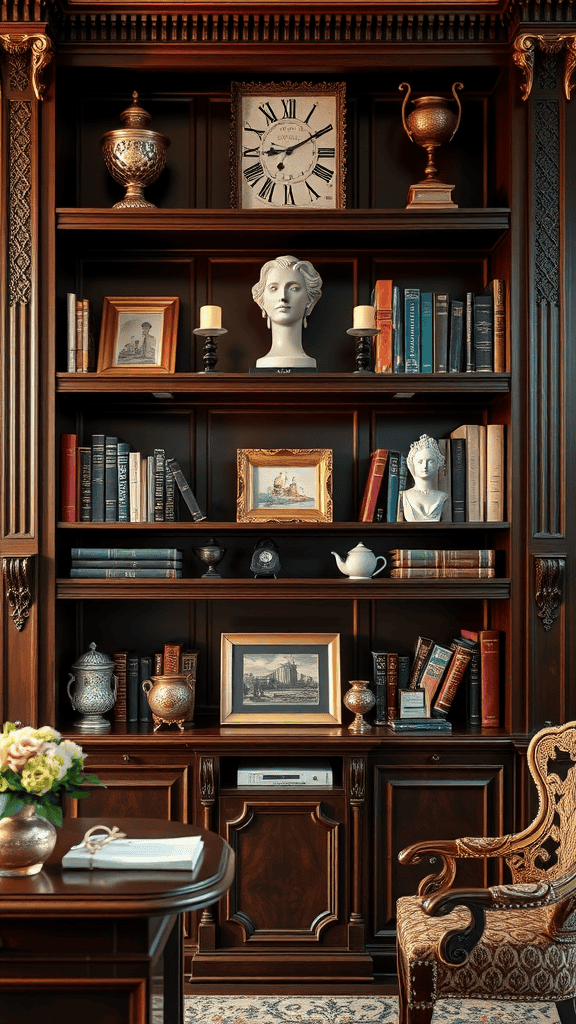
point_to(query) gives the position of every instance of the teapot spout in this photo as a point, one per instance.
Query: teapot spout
(340, 563)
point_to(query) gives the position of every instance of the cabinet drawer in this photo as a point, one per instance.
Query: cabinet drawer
(135, 791)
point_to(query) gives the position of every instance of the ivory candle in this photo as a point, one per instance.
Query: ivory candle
(210, 316)
(364, 316)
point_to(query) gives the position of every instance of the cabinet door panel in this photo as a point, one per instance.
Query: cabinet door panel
(421, 803)
(287, 882)
(144, 791)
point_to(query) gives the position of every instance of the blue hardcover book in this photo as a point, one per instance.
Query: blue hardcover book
(123, 487)
(469, 333)
(159, 475)
(144, 712)
(426, 333)
(379, 660)
(111, 480)
(132, 687)
(484, 333)
(397, 331)
(412, 330)
(119, 574)
(402, 478)
(441, 303)
(127, 563)
(458, 470)
(393, 487)
(455, 345)
(131, 553)
(98, 455)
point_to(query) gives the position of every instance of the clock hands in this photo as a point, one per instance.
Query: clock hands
(290, 149)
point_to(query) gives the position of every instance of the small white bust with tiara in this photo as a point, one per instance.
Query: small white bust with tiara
(423, 502)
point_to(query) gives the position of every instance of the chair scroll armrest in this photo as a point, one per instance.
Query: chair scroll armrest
(440, 880)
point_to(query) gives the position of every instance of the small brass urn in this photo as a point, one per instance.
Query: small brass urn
(134, 155)
(429, 125)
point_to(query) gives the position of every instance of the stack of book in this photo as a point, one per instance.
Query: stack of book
(107, 482)
(437, 671)
(121, 563)
(132, 669)
(80, 336)
(431, 332)
(390, 673)
(414, 563)
(472, 476)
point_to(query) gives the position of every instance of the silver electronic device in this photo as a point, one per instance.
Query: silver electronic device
(284, 773)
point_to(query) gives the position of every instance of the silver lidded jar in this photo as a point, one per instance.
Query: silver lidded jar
(94, 691)
(134, 155)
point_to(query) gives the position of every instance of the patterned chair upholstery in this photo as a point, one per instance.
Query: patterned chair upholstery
(509, 942)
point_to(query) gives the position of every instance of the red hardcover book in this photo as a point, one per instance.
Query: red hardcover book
(452, 679)
(120, 659)
(69, 446)
(172, 655)
(383, 343)
(375, 473)
(489, 677)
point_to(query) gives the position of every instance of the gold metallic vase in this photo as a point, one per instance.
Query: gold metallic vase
(26, 842)
(171, 699)
(134, 155)
(359, 700)
(431, 124)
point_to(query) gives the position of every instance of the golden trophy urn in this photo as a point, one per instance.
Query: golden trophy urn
(171, 699)
(134, 155)
(359, 699)
(431, 124)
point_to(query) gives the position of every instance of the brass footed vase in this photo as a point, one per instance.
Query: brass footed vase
(134, 155)
(359, 699)
(170, 699)
(431, 124)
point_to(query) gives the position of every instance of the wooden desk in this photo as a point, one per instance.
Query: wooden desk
(93, 946)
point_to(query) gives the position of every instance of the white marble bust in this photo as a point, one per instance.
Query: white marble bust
(287, 292)
(423, 502)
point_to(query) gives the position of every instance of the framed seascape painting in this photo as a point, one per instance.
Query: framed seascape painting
(138, 335)
(287, 485)
(280, 679)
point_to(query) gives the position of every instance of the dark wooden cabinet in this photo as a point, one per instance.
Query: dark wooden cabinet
(317, 872)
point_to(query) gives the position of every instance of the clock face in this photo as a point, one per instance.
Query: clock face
(265, 557)
(289, 147)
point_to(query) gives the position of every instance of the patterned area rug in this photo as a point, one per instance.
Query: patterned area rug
(354, 1010)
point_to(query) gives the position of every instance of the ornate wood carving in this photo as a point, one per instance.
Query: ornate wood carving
(41, 52)
(19, 230)
(357, 780)
(549, 588)
(18, 588)
(525, 46)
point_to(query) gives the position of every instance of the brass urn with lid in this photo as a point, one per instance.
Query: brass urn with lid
(134, 155)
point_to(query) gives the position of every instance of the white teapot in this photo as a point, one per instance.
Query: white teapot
(360, 563)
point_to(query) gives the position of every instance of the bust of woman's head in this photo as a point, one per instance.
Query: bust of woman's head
(288, 289)
(424, 456)
(285, 270)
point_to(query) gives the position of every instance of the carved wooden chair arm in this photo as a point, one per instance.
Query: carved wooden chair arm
(447, 851)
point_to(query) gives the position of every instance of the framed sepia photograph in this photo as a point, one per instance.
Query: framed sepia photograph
(138, 335)
(284, 485)
(280, 679)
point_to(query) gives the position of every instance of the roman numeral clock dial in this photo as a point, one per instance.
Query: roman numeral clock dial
(289, 146)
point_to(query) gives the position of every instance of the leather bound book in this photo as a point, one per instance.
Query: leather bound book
(434, 671)
(422, 650)
(69, 470)
(489, 677)
(392, 686)
(458, 469)
(426, 333)
(456, 334)
(397, 330)
(120, 659)
(497, 289)
(383, 343)
(484, 333)
(441, 304)
(441, 572)
(379, 662)
(372, 489)
(172, 658)
(111, 480)
(495, 472)
(98, 458)
(460, 661)
(456, 558)
(412, 363)
(474, 716)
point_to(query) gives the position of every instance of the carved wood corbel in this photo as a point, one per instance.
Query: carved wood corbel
(17, 574)
(41, 53)
(549, 588)
(523, 55)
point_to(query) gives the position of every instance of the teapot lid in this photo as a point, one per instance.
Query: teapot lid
(93, 659)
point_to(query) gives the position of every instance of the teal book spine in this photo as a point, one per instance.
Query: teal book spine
(412, 330)
(426, 333)
(144, 712)
(127, 563)
(440, 304)
(118, 574)
(111, 480)
(393, 487)
(469, 332)
(397, 330)
(455, 345)
(484, 333)
(85, 471)
(132, 553)
(132, 687)
(98, 456)
(123, 487)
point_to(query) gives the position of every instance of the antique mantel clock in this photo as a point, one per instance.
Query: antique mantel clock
(288, 145)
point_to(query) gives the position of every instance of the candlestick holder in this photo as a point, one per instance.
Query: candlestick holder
(363, 337)
(210, 357)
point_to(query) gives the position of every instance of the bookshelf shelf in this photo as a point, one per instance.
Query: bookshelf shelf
(349, 527)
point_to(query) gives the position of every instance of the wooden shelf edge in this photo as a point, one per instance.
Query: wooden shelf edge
(232, 527)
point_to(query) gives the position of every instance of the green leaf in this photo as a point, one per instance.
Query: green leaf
(51, 813)
(94, 780)
(13, 805)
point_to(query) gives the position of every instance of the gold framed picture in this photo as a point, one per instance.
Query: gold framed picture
(288, 145)
(280, 679)
(138, 335)
(284, 485)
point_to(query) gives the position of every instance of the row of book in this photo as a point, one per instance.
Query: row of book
(126, 563)
(472, 476)
(439, 670)
(81, 356)
(430, 563)
(132, 669)
(107, 482)
(429, 332)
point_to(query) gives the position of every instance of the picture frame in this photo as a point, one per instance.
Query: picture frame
(413, 704)
(280, 679)
(288, 145)
(138, 334)
(284, 485)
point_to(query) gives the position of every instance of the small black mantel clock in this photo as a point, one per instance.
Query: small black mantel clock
(266, 559)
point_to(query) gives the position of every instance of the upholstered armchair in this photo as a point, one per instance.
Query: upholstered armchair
(510, 942)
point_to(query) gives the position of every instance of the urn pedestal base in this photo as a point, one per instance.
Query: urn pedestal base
(431, 195)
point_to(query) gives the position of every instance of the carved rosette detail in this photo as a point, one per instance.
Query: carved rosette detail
(41, 53)
(549, 588)
(524, 53)
(17, 587)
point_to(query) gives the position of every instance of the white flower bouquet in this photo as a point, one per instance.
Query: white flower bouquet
(37, 766)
